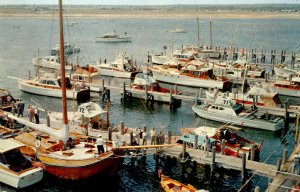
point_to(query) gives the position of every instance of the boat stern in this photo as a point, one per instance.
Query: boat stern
(30, 177)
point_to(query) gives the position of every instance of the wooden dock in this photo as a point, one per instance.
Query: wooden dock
(287, 174)
(225, 161)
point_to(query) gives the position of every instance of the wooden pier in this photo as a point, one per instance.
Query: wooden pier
(225, 161)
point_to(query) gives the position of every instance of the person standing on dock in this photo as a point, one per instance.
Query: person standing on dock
(206, 146)
(152, 134)
(30, 112)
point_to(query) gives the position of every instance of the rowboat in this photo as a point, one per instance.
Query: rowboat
(171, 185)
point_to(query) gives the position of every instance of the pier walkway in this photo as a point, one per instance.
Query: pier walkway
(225, 161)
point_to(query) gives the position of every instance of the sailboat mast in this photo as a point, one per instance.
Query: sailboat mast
(210, 34)
(62, 65)
(198, 32)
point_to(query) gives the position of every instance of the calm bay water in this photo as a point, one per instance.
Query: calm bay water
(23, 38)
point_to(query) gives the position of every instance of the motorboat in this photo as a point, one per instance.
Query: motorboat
(288, 86)
(113, 37)
(50, 85)
(192, 75)
(145, 87)
(121, 67)
(226, 110)
(50, 62)
(68, 48)
(235, 143)
(16, 170)
(258, 95)
(87, 75)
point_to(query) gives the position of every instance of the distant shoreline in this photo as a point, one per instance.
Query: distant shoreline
(152, 14)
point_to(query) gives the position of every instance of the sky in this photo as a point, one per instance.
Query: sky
(145, 2)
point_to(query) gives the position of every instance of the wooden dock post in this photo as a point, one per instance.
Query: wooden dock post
(197, 97)
(131, 139)
(278, 165)
(122, 127)
(47, 117)
(296, 164)
(252, 152)
(183, 151)
(169, 137)
(223, 146)
(243, 171)
(171, 99)
(109, 133)
(124, 92)
(196, 142)
(286, 116)
(200, 93)
(213, 159)
(284, 155)
(145, 133)
(103, 86)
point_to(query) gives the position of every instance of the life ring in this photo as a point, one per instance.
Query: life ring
(38, 143)
(187, 157)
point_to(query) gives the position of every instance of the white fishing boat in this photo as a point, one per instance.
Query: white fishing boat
(113, 37)
(122, 67)
(228, 111)
(87, 112)
(69, 49)
(145, 87)
(50, 85)
(50, 62)
(88, 76)
(191, 75)
(257, 95)
(287, 87)
(17, 170)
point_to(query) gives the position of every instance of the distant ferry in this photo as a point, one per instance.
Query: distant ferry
(113, 37)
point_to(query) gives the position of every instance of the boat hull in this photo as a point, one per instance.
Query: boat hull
(40, 90)
(119, 74)
(236, 120)
(80, 170)
(23, 179)
(108, 40)
(189, 81)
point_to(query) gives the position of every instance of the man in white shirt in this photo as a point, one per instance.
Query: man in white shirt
(152, 133)
(100, 143)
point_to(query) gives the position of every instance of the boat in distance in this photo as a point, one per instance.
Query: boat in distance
(113, 37)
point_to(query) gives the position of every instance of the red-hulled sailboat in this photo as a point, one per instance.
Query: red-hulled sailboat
(63, 156)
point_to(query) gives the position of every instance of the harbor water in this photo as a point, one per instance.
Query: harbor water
(24, 38)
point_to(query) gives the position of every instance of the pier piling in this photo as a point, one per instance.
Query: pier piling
(196, 142)
(284, 155)
(278, 165)
(243, 171)
(213, 159)
(169, 137)
(252, 152)
(122, 127)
